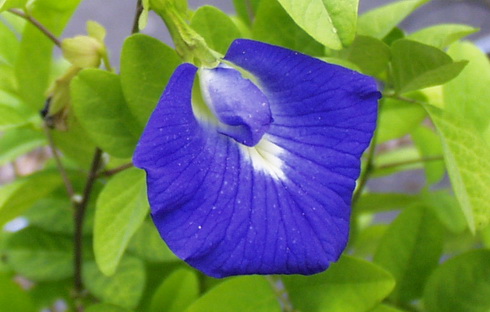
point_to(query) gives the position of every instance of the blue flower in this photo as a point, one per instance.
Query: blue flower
(259, 180)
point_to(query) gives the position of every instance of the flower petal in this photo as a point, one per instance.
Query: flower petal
(237, 103)
(281, 206)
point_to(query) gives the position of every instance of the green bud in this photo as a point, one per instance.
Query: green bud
(83, 51)
(59, 105)
(188, 43)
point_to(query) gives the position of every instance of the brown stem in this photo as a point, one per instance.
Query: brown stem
(66, 181)
(139, 9)
(112, 172)
(79, 218)
(281, 293)
(37, 24)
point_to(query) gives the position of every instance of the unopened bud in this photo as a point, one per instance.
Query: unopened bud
(83, 51)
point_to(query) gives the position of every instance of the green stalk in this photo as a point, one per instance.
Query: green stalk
(188, 43)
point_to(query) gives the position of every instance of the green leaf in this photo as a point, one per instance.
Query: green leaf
(99, 106)
(429, 146)
(46, 294)
(367, 240)
(379, 202)
(33, 69)
(394, 35)
(271, 15)
(105, 307)
(238, 294)
(55, 214)
(332, 23)
(370, 54)
(350, 285)
(215, 27)
(397, 118)
(466, 155)
(446, 208)
(441, 36)
(468, 95)
(19, 195)
(13, 297)
(14, 113)
(417, 66)
(123, 289)
(146, 67)
(246, 9)
(176, 292)
(379, 22)
(9, 48)
(9, 4)
(121, 208)
(385, 308)
(147, 244)
(396, 160)
(485, 236)
(410, 250)
(17, 142)
(8, 83)
(461, 284)
(75, 143)
(39, 255)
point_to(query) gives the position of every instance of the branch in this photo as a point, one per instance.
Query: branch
(404, 99)
(409, 162)
(79, 218)
(112, 172)
(367, 171)
(281, 293)
(38, 25)
(66, 181)
(139, 9)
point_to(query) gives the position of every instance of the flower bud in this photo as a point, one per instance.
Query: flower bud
(83, 51)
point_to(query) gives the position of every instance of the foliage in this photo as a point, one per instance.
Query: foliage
(89, 240)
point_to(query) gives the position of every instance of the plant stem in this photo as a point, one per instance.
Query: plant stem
(250, 10)
(79, 218)
(281, 293)
(139, 9)
(116, 170)
(409, 162)
(404, 99)
(37, 24)
(367, 171)
(66, 181)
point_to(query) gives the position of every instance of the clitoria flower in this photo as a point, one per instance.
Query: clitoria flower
(260, 181)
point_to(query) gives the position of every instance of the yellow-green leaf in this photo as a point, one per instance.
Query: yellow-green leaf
(467, 159)
(121, 208)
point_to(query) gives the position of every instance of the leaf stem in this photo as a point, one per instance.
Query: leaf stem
(66, 181)
(367, 171)
(79, 218)
(281, 293)
(409, 162)
(250, 10)
(37, 24)
(404, 99)
(116, 170)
